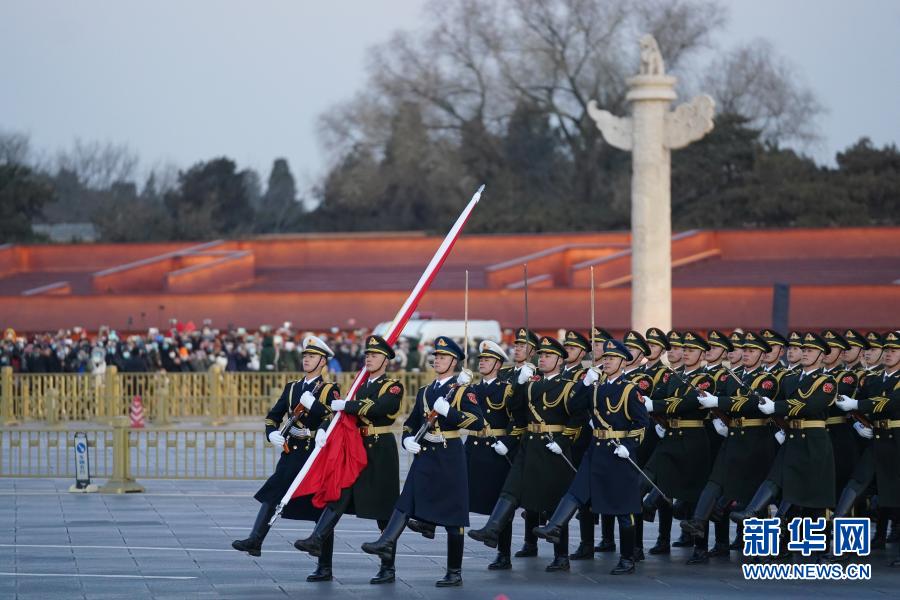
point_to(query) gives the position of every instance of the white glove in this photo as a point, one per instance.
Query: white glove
(708, 401)
(464, 377)
(590, 377)
(338, 405)
(276, 439)
(779, 435)
(554, 448)
(307, 400)
(411, 445)
(767, 406)
(846, 403)
(648, 403)
(500, 448)
(320, 438)
(621, 451)
(863, 431)
(525, 373)
(721, 427)
(441, 407)
(660, 430)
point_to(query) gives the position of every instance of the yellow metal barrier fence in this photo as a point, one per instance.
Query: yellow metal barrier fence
(215, 395)
(151, 453)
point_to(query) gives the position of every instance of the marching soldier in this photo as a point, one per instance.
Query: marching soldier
(542, 470)
(375, 491)
(489, 450)
(634, 374)
(605, 479)
(524, 347)
(736, 355)
(577, 347)
(749, 448)
(675, 353)
(885, 411)
(804, 467)
(311, 398)
(843, 437)
(772, 360)
(436, 491)
(681, 461)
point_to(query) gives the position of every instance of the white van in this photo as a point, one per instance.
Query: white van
(425, 330)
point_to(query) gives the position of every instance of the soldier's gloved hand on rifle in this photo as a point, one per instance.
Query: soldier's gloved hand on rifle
(441, 407)
(338, 405)
(307, 400)
(411, 445)
(554, 448)
(621, 451)
(500, 448)
(276, 439)
(863, 431)
(648, 403)
(846, 403)
(525, 373)
(708, 401)
(766, 406)
(779, 435)
(721, 427)
(590, 377)
(464, 377)
(660, 430)
(320, 438)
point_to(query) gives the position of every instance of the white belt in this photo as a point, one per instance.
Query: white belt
(298, 432)
(433, 438)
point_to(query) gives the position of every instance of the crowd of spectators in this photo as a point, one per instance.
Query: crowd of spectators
(187, 348)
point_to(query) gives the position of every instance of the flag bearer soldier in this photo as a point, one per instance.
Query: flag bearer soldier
(490, 450)
(605, 478)
(436, 491)
(313, 395)
(577, 347)
(803, 470)
(681, 461)
(541, 472)
(749, 448)
(884, 410)
(375, 491)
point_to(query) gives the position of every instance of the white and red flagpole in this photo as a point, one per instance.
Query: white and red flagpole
(393, 332)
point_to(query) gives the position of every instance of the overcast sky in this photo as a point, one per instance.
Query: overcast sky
(188, 80)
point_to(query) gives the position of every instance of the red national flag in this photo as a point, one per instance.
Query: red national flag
(339, 463)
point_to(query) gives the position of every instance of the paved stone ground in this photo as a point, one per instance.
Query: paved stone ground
(174, 542)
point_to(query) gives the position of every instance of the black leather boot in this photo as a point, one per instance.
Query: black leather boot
(650, 505)
(879, 538)
(453, 576)
(761, 499)
(553, 530)
(560, 550)
(424, 528)
(386, 573)
(324, 528)
(638, 538)
(502, 562)
(489, 535)
(738, 542)
(700, 555)
(386, 545)
(607, 534)
(323, 569)
(585, 550)
(626, 539)
(253, 544)
(697, 524)
(849, 496)
(720, 550)
(529, 547)
(663, 545)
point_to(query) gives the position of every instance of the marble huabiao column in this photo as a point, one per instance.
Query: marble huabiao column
(650, 134)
